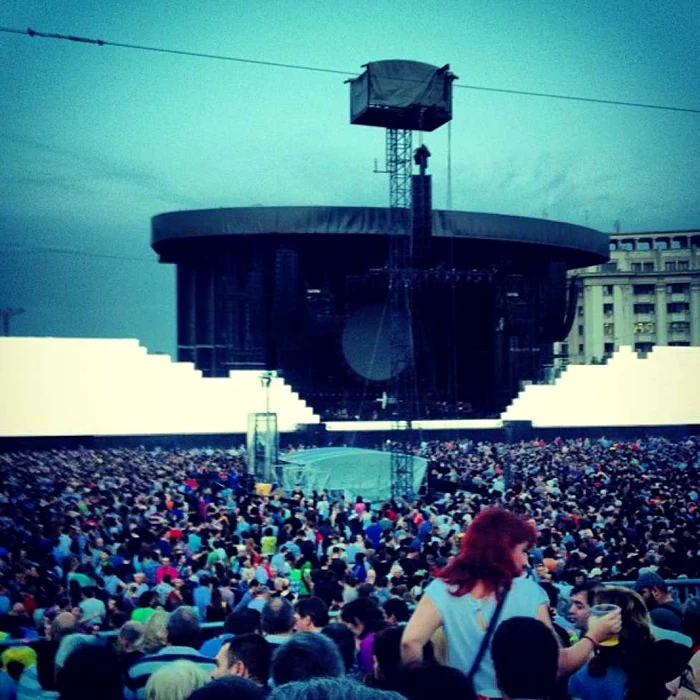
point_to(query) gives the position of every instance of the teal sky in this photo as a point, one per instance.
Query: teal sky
(96, 140)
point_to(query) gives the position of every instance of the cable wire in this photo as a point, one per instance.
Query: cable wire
(316, 69)
(22, 248)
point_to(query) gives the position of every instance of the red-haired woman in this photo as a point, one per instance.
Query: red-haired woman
(464, 596)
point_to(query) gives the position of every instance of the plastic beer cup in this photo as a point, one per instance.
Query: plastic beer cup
(598, 611)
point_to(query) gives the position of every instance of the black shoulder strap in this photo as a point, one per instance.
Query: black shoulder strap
(487, 637)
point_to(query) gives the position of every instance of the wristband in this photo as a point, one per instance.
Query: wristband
(591, 640)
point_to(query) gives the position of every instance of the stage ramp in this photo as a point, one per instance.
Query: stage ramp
(347, 471)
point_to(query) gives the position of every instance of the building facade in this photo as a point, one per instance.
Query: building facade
(647, 294)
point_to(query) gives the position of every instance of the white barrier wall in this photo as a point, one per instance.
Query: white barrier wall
(661, 389)
(76, 386)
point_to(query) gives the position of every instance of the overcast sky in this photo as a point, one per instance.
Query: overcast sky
(96, 140)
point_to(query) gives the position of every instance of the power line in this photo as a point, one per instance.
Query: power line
(22, 248)
(316, 69)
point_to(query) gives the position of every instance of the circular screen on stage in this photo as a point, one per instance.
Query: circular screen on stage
(367, 340)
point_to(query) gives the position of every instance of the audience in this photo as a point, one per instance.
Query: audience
(245, 656)
(306, 655)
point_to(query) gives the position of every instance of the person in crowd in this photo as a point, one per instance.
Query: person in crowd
(182, 633)
(277, 621)
(486, 576)
(155, 632)
(421, 681)
(128, 646)
(525, 656)
(637, 668)
(581, 598)
(39, 680)
(364, 618)
(13, 662)
(686, 685)
(396, 611)
(387, 658)
(175, 681)
(91, 670)
(242, 622)
(345, 641)
(245, 656)
(229, 688)
(665, 612)
(306, 655)
(691, 621)
(311, 615)
(336, 688)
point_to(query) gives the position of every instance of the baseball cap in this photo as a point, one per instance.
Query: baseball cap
(649, 580)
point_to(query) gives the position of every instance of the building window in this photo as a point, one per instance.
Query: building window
(612, 245)
(609, 329)
(683, 266)
(609, 348)
(627, 245)
(638, 289)
(670, 266)
(580, 329)
(643, 347)
(661, 244)
(608, 290)
(564, 350)
(580, 349)
(677, 307)
(679, 344)
(679, 327)
(679, 244)
(636, 267)
(609, 266)
(607, 309)
(648, 267)
(646, 327)
(579, 311)
(644, 308)
(677, 288)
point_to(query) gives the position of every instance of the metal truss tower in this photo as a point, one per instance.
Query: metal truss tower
(399, 163)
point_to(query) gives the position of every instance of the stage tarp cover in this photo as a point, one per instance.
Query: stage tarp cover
(352, 470)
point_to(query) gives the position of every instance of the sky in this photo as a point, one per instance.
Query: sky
(94, 141)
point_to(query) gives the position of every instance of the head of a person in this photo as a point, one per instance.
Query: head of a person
(581, 600)
(493, 552)
(363, 616)
(245, 656)
(183, 629)
(526, 657)
(88, 670)
(387, 656)
(63, 624)
(345, 641)
(636, 628)
(420, 681)
(175, 681)
(336, 688)
(277, 617)
(130, 636)
(244, 621)
(396, 611)
(686, 686)
(652, 588)
(306, 655)
(155, 632)
(229, 688)
(311, 615)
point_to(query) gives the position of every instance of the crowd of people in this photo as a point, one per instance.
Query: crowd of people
(489, 590)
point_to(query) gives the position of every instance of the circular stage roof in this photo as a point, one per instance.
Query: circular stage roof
(581, 246)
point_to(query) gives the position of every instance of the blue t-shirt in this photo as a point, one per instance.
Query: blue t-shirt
(611, 686)
(462, 619)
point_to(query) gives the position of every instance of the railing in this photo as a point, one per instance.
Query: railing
(681, 588)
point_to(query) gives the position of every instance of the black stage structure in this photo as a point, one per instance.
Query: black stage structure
(304, 290)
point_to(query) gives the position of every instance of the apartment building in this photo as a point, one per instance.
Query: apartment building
(647, 294)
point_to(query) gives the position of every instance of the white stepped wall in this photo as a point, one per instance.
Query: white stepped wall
(71, 386)
(662, 389)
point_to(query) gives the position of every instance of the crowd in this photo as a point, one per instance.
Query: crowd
(487, 590)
